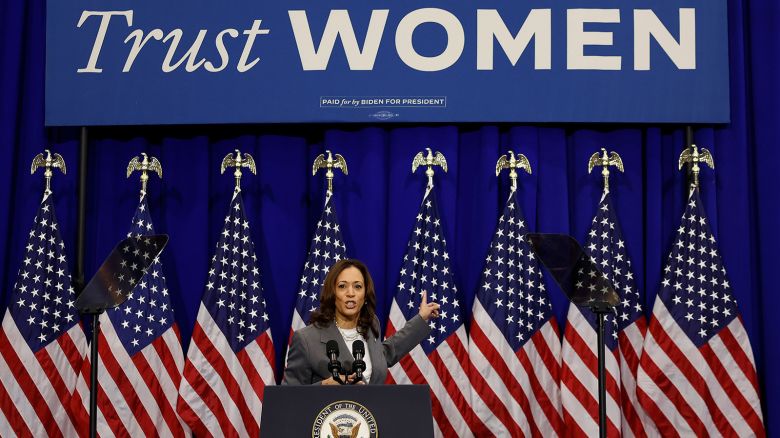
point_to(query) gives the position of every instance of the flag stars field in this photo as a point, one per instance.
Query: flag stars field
(701, 290)
(235, 278)
(44, 321)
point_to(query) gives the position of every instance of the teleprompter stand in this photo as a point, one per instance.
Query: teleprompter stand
(572, 270)
(109, 287)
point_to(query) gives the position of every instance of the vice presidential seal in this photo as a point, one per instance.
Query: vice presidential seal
(344, 419)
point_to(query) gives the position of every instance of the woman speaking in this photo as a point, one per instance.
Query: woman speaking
(347, 314)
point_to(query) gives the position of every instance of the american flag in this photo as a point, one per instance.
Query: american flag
(515, 346)
(441, 360)
(231, 355)
(327, 247)
(141, 358)
(697, 375)
(624, 333)
(42, 343)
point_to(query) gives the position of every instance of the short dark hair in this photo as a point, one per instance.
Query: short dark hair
(326, 314)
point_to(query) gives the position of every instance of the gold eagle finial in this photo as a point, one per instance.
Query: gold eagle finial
(513, 163)
(605, 161)
(144, 165)
(48, 161)
(238, 161)
(693, 156)
(329, 163)
(429, 160)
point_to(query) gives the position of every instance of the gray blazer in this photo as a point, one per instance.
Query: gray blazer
(307, 362)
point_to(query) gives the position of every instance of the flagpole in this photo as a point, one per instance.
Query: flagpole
(694, 157)
(688, 144)
(81, 213)
(688, 135)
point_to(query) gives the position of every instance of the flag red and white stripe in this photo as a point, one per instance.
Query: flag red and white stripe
(445, 370)
(579, 379)
(515, 392)
(37, 387)
(709, 391)
(222, 391)
(137, 394)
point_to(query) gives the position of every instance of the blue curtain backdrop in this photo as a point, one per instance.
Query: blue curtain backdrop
(377, 202)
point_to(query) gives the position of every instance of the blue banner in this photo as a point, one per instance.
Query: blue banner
(124, 62)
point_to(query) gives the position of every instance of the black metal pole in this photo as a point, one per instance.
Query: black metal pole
(93, 377)
(602, 379)
(78, 275)
(688, 136)
(81, 214)
(688, 143)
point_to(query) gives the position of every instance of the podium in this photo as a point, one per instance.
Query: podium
(347, 411)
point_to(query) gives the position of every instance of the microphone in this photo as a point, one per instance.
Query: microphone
(358, 366)
(334, 366)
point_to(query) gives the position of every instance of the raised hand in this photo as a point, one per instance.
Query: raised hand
(428, 310)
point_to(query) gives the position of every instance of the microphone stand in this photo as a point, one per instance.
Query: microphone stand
(358, 367)
(335, 371)
(334, 366)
